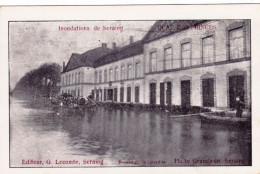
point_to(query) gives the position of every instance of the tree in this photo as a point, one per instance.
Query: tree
(44, 82)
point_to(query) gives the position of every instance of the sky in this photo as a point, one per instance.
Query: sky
(32, 44)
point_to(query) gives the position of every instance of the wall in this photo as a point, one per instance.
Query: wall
(85, 84)
(221, 79)
(196, 70)
(132, 82)
(195, 37)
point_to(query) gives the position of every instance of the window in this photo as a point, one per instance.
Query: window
(105, 76)
(236, 41)
(186, 54)
(168, 58)
(82, 76)
(96, 75)
(100, 76)
(79, 78)
(69, 79)
(72, 79)
(116, 73)
(110, 74)
(153, 62)
(129, 71)
(137, 69)
(207, 50)
(122, 72)
(76, 79)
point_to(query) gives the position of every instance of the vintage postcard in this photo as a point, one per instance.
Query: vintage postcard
(131, 91)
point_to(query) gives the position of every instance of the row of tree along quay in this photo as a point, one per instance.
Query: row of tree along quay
(39, 84)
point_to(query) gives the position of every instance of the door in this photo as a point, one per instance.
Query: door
(122, 94)
(105, 94)
(236, 88)
(161, 93)
(208, 92)
(92, 93)
(110, 94)
(153, 93)
(78, 93)
(185, 93)
(137, 89)
(115, 94)
(100, 94)
(97, 95)
(169, 93)
(128, 94)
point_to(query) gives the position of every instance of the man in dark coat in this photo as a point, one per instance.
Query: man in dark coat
(239, 106)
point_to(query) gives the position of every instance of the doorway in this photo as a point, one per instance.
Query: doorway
(185, 93)
(122, 94)
(208, 92)
(236, 88)
(128, 94)
(110, 94)
(152, 93)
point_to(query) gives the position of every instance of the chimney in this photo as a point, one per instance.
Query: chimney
(63, 69)
(114, 45)
(131, 39)
(104, 45)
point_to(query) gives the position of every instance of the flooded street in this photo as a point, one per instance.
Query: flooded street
(120, 138)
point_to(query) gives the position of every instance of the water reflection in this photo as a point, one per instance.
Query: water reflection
(113, 135)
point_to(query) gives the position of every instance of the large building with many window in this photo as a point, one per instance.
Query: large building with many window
(178, 62)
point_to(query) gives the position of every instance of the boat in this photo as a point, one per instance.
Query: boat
(223, 118)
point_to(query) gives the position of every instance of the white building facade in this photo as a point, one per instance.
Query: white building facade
(192, 63)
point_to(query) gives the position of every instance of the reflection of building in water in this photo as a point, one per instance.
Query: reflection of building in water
(176, 66)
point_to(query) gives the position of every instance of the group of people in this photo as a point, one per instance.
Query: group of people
(68, 99)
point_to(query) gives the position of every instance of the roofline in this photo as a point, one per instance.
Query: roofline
(119, 50)
(78, 54)
(122, 48)
(117, 60)
(77, 68)
(69, 61)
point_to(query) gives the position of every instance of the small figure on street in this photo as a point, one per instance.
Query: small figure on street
(239, 106)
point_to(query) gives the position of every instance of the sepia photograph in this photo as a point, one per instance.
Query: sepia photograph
(130, 93)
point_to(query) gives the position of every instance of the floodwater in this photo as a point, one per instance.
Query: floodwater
(59, 137)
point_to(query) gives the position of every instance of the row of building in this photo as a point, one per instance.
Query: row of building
(178, 62)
